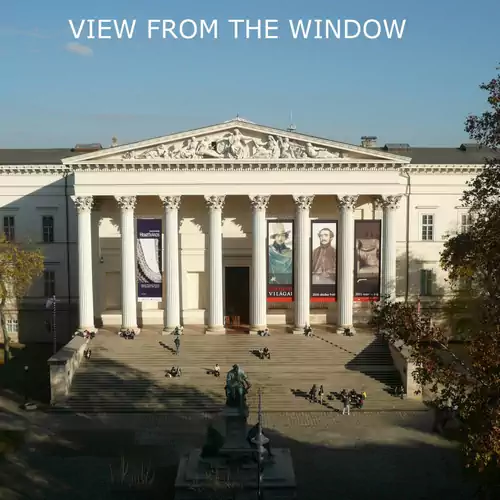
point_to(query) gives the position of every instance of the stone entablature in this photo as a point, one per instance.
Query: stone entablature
(249, 172)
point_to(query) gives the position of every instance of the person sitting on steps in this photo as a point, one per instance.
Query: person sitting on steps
(267, 353)
(216, 370)
(175, 371)
(308, 331)
(264, 333)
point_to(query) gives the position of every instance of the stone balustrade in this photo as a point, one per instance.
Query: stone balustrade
(400, 354)
(63, 365)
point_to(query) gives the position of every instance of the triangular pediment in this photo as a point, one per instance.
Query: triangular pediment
(235, 140)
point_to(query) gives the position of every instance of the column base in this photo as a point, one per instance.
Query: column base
(91, 329)
(340, 330)
(215, 330)
(135, 329)
(255, 329)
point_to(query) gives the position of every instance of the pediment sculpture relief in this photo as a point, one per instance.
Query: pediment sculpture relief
(235, 145)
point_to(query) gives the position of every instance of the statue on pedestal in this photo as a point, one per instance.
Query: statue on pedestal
(237, 387)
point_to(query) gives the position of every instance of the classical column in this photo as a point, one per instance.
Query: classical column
(302, 262)
(389, 205)
(172, 317)
(215, 304)
(258, 295)
(85, 287)
(345, 271)
(96, 262)
(129, 284)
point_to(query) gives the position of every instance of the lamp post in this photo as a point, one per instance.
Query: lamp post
(260, 440)
(52, 304)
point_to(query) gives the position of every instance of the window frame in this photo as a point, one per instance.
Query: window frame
(422, 225)
(427, 290)
(49, 285)
(461, 226)
(12, 326)
(10, 235)
(48, 240)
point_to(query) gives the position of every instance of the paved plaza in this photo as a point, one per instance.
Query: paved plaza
(371, 455)
(389, 454)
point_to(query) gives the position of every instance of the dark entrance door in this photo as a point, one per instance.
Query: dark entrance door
(237, 281)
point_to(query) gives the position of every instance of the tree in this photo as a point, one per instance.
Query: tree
(469, 379)
(19, 266)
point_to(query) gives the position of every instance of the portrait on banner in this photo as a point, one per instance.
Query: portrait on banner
(323, 260)
(280, 260)
(367, 235)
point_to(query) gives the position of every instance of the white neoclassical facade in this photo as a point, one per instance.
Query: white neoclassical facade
(235, 223)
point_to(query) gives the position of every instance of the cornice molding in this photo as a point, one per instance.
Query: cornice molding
(239, 166)
(35, 169)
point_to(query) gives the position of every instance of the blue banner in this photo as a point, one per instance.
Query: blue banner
(149, 275)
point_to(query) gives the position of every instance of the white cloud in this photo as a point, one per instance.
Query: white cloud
(79, 49)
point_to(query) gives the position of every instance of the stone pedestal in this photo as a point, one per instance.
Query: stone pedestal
(194, 479)
(233, 472)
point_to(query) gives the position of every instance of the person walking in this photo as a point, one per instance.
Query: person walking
(177, 342)
(321, 393)
(347, 405)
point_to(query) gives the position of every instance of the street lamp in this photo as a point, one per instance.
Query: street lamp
(260, 440)
(51, 303)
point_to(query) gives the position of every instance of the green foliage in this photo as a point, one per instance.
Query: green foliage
(471, 381)
(19, 266)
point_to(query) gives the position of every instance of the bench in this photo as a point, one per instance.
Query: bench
(63, 365)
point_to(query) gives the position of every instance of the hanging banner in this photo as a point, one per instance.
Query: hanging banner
(280, 261)
(149, 277)
(323, 260)
(367, 260)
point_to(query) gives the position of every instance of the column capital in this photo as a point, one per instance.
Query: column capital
(259, 202)
(390, 202)
(126, 202)
(303, 202)
(347, 202)
(171, 202)
(83, 203)
(215, 202)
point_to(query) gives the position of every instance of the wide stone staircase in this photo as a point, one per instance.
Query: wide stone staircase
(129, 375)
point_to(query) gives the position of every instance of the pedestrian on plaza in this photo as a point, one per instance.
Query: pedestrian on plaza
(177, 342)
(347, 405)
(312, 394)
(321, 393)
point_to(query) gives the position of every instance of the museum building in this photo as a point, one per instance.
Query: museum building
(235, 225)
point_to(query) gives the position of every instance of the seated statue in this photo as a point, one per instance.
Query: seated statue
(237, 387)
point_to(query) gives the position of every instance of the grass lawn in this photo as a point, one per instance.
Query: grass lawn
(13, 379)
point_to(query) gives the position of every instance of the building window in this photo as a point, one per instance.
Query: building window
(427, 227)
(426, 281)
(12, 326)
(465, 222)
(9, 228)
(49, 283)
(48, 228)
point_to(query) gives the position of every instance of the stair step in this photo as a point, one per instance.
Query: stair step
(129, 376)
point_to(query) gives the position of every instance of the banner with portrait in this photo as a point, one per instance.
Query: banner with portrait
(280, 261)
(149, 276)
(323, 260)
(367, 260)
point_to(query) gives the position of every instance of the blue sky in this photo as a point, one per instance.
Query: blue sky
(417, 90)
